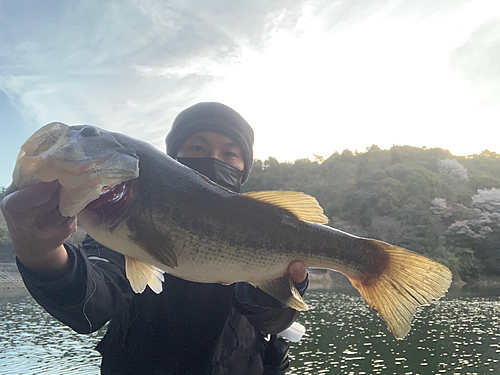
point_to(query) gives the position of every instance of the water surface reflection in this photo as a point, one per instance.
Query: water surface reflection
(457, 335)
(32, 342)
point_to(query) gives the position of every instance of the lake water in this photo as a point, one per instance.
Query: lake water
(459, 334)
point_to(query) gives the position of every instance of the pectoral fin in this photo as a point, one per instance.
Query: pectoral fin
(283, 289)
(141, 274)
(157, 244)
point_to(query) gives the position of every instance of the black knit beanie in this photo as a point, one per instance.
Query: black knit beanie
(217, 118)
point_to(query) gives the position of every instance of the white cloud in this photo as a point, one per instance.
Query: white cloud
(378, 79)
(476, 61)
(312, 77)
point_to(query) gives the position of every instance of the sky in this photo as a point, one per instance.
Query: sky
(312, 77)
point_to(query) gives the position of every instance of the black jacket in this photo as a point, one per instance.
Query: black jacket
(189, 328)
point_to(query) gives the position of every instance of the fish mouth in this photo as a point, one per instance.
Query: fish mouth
(79, 167)
(113, 201)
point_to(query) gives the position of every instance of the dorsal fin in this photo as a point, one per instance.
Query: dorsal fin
(305, 207)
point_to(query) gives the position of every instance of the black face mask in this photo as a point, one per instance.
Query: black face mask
(219, 172)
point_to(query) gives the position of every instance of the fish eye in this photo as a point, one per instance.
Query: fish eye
(89, 131)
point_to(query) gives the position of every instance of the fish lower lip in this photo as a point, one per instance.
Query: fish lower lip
(80, 167)
(112, 198)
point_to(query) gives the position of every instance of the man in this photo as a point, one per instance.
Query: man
(189, 328)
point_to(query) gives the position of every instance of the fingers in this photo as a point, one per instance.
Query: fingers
(53, 218)
(49, 210)
(12, 188)
(297, 271)
(48, 218)
(31, 196)
(33, 218)
(35, 206)
(55, 235)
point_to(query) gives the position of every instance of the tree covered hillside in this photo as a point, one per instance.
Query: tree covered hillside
(426, 200)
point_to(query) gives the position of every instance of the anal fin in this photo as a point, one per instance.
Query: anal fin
(283, 289)
(140, 275)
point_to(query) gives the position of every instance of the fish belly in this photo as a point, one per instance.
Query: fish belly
(200, 260)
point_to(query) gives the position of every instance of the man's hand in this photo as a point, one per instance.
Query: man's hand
(297, 271)
(37, 228)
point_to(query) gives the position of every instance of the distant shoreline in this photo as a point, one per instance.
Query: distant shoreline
(328, 280)
(11, 282)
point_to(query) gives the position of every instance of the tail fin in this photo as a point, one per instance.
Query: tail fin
(410, 280)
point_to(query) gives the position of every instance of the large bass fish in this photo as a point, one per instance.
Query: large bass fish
(166, 217)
